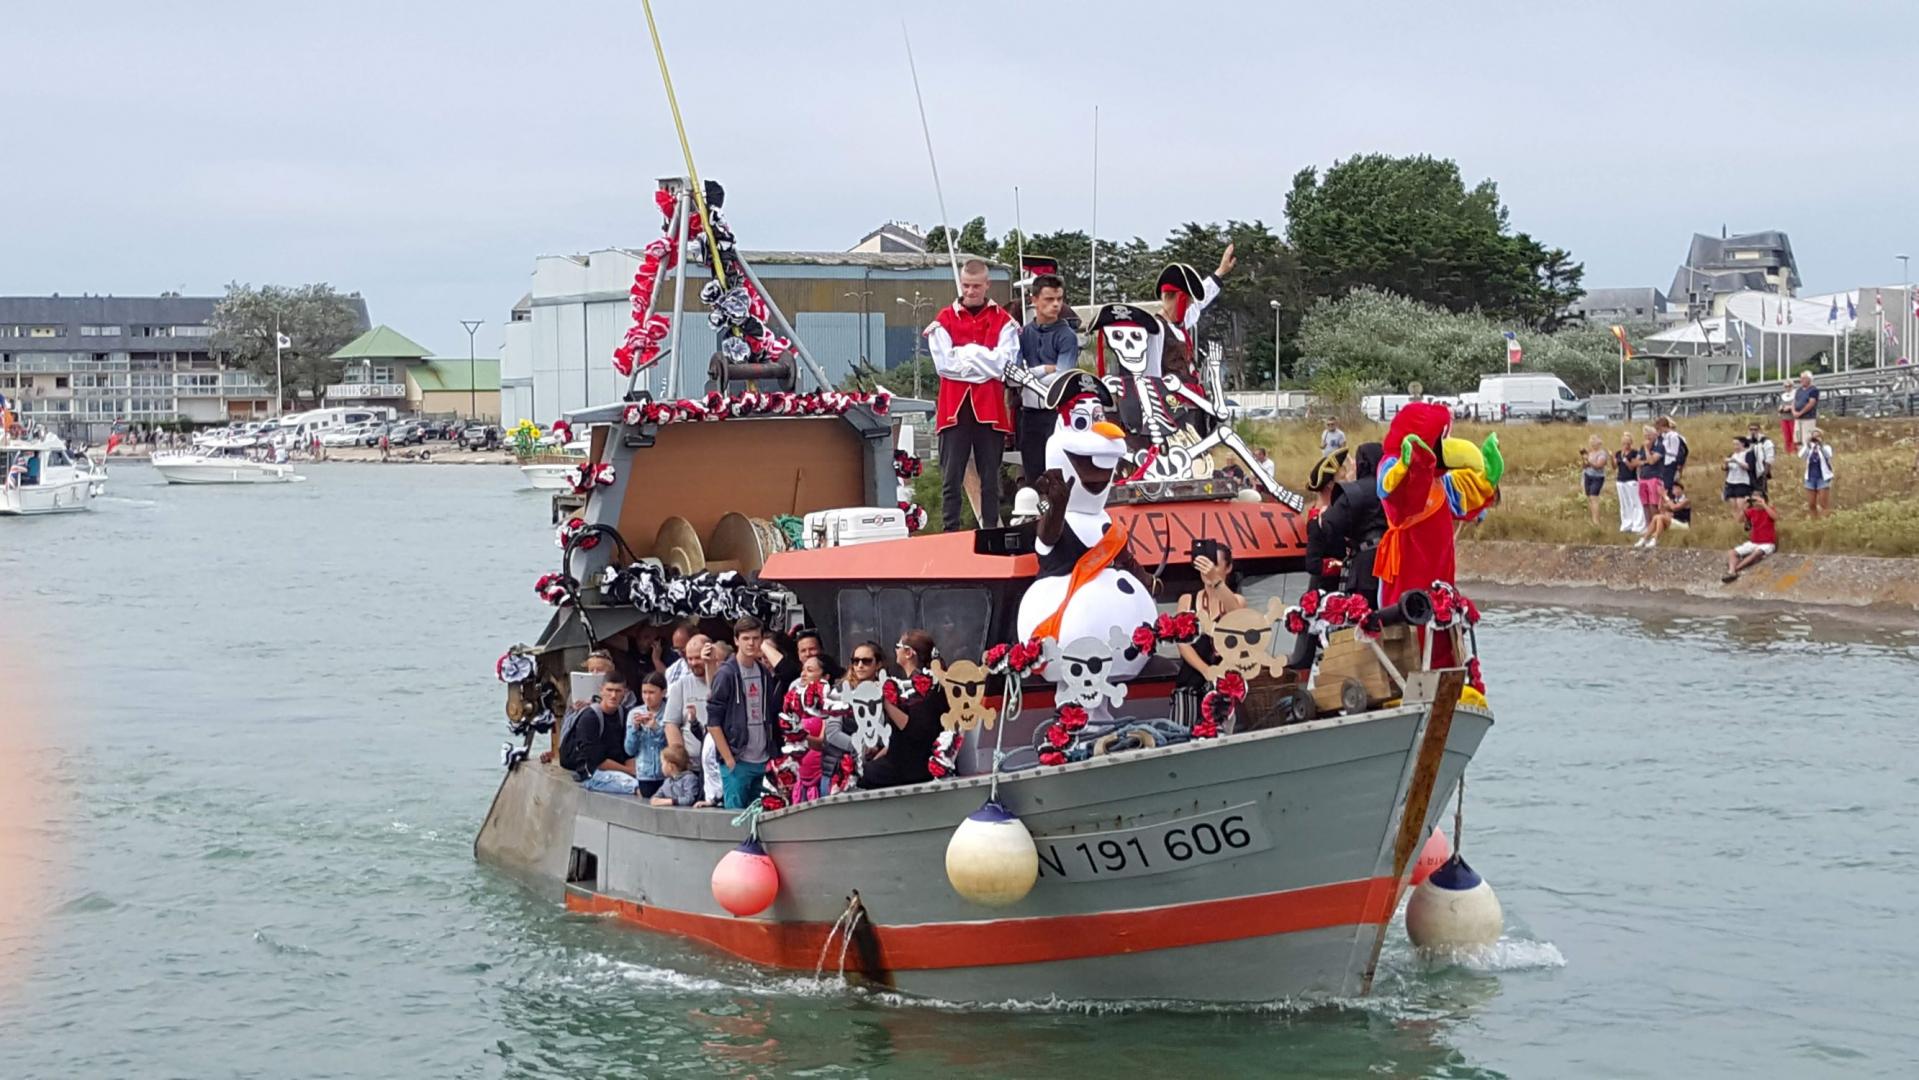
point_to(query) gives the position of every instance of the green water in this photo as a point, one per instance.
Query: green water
(257, 729)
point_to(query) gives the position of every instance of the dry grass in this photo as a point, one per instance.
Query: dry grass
(1875, 496)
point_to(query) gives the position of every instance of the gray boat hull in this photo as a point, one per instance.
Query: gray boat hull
(1252, 867)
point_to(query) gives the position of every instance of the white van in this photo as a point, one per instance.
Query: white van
(1529, 396)
(299, 429)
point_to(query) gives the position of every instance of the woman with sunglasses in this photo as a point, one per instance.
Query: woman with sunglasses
(836, 743)
(916, 727)
(1216, 597)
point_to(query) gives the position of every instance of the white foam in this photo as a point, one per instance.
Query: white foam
(1506, 954)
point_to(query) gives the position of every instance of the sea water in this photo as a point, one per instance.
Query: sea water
(252, 732)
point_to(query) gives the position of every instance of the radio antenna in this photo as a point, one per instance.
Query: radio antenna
(1019, 236)
(946, 224)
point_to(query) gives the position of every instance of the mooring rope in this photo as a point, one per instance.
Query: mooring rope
(1459, 814)
(750, 817)
(1010, 697)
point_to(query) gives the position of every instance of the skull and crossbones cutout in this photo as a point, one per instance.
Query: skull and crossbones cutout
(1243, 640)
(966, 708)
(871, 730)
(1082, 674)
(1128, 343)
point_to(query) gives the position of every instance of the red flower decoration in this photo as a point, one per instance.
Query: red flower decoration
(1295, 622)
(1205, 729)
(922, 683)
(1309, 602)
(1233, 685)
(1185, 626)
(772, 802)
(1072, 716)
(1052, 757)
(890, 692)
(936, 770)
(1473, 676)
(1057, 736)
(1143, 637)
(996, 656)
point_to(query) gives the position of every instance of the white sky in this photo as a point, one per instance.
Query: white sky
(423, 152)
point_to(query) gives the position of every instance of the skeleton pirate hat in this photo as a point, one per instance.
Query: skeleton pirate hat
(1072, 384)
(1129, 317)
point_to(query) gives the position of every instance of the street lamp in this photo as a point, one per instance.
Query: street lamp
(1274, 304)
(472, 383)
(916, 303)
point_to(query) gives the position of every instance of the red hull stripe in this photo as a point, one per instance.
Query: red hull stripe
(1025, 941)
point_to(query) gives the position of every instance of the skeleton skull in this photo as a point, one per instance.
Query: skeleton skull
(966, 708)
(871, 729)
(1129, 344)
(1082, 673)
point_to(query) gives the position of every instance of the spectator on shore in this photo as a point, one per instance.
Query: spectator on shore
(915, 727)
(1652, 472)
(682, 785)
(1592, 474)
(1805, 411)
(1762, 539)
(1738, 467)
(595, 749)
(1675, 512)
(1332, 438)
(1785, 416)
(1763, 452)
(1818, 457)
(742, 716)
(1632, 514)
(646, 734)
(1672, 451)
(1264, 460)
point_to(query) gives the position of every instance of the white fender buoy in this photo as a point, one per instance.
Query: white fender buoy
(1431, 857)
(991, 858)
(745, 881)
(1454, 909)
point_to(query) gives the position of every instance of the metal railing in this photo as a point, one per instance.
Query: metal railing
(1874, 392)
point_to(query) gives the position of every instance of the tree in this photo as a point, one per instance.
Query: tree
(1410, 226)
(972, 240)
(317, 319)
(1559, 287)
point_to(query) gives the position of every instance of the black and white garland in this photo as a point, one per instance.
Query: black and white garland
(718, 406)
(907, 467)
(666, 594)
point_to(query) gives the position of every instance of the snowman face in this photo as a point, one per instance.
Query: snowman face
(1129, 344)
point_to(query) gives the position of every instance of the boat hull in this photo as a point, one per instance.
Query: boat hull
(64, 497)
(178, 471)
(548, 477)
(1250, 868)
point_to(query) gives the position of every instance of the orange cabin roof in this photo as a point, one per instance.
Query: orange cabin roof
(1265, 530)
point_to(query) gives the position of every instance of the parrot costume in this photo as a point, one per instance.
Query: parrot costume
(1426, 482)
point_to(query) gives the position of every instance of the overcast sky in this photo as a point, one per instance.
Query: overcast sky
(423, 152)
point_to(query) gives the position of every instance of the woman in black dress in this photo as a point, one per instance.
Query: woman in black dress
(916, 726)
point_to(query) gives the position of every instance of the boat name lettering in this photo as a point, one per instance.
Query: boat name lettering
(1152, 849)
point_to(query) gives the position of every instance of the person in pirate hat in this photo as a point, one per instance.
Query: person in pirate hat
(1184, 295)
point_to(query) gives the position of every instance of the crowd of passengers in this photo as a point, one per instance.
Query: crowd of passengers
(698, 723)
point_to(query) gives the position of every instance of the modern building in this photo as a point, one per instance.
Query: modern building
(385, 367)
(557, 354)
(1717, 267)
(1610, 307)
(78, 364)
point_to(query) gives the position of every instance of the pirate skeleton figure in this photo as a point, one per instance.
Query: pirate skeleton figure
(1132, 335)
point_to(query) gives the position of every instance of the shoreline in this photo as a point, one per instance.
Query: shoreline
(1864, 588)
(359, 455)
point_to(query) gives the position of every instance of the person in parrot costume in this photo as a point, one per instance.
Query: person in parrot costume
(1427, 481)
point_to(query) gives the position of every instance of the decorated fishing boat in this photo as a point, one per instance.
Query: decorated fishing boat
(1090, 831)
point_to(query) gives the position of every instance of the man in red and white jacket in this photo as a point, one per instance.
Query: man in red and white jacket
(972, 342)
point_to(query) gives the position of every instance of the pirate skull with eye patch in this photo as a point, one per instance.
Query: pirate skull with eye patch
(1244, 640)
(871, 731)
(1082, 672)
(1128, 343)
(965, 683)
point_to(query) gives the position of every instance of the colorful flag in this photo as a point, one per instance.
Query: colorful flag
(1512, 349)
(1886, 325)
(1739, 325)
(1624, 345)
(1787, 305)
(1832, 316)
(1852, 312)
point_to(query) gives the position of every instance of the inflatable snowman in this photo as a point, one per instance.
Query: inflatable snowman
(1088, 584)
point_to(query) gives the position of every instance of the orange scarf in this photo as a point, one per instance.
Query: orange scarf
(1097, 558)
(1391, 551)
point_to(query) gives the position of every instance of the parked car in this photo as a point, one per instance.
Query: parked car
(352, 435)
(480, 437)
(406, 433)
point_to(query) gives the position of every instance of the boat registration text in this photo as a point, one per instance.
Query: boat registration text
(1152, 849)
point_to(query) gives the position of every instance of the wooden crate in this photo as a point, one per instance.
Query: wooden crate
(1350, 678)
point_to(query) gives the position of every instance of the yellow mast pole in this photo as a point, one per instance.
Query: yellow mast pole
(686, 149)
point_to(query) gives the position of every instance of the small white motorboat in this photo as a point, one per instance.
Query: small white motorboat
(40, 475)
(209, 465)
(554, 472)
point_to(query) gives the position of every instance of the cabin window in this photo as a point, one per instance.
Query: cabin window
(958, 620)
(58, 458)
(873, 614)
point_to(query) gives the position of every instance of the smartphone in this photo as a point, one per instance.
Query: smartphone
(1205, 547)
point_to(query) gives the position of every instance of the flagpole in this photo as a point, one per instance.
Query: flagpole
(279, 376)
(1092, 272)
(1879, 331)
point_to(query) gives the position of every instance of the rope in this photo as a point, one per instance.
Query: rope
(1007, 710)
(1459, 813)
(750, 817)
(794, 527)
(686, 148)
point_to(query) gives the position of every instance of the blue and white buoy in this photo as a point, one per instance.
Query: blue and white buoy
(991, 858)
(1454, 908)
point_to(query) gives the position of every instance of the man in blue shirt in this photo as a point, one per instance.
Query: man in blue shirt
(1805, 409)
(1047, 344)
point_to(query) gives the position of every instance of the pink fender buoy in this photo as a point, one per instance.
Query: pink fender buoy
(746, 881)
(1431, 857)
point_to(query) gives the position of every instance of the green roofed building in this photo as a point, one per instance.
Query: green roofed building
(385, 367)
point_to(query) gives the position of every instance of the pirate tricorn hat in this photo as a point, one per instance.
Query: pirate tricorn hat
(1123, 315)
(1034, 265)
(1071, 384)
(1182, 277)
